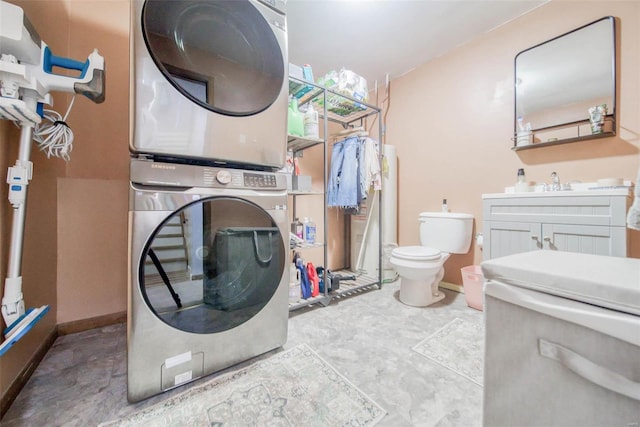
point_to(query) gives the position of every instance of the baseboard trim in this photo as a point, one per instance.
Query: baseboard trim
(62, 329)
(452, 287)
(18, 384)
(92, 323)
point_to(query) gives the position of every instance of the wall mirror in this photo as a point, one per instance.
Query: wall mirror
(565, 88)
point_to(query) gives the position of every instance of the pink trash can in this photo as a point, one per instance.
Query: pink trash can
(473, 280)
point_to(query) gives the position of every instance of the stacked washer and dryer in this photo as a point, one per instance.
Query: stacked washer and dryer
(208, 226)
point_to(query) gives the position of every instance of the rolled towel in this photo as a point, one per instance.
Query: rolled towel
(633, 216)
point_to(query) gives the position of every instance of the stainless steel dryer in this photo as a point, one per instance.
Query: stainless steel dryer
(210, 81)
(208, 277)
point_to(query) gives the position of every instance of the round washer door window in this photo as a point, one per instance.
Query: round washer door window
(212, 265)
(222, 55)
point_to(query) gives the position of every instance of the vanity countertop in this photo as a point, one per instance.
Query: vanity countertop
(602, 191)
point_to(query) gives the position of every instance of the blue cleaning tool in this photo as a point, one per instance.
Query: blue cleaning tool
(21, 326)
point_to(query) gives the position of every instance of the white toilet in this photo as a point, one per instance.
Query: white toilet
(421, 268)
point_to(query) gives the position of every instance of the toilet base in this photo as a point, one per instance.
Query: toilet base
(418, 293)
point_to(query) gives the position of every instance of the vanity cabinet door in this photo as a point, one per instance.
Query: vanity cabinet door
(589, 239)
(507, 238)
(592, 222)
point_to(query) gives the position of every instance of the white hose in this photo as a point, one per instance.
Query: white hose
(53, 135)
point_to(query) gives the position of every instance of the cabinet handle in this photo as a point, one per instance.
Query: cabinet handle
(549, 241)
(537, 240)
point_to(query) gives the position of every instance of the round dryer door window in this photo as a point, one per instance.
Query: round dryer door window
(212, 265)
(222, 55)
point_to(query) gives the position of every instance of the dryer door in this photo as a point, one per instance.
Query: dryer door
(212, 265)
(222, 55)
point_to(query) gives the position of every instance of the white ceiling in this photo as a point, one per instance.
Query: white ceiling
(378, 37)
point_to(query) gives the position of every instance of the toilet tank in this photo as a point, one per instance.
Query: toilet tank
(446, 231)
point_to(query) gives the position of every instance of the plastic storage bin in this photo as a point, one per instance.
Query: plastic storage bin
(472, 279)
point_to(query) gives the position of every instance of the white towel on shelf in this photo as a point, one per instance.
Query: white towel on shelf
(633, 216)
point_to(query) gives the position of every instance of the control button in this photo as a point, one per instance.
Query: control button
(223, 177)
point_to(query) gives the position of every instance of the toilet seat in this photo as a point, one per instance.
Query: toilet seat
(416, 253)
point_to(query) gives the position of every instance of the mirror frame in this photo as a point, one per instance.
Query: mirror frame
(610, 117)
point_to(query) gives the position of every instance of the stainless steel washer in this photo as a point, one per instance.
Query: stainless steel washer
(210, 81)
(208, 282)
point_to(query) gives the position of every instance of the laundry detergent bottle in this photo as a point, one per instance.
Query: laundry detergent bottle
(295, 121)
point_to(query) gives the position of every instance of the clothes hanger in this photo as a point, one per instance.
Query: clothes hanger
(355, 131)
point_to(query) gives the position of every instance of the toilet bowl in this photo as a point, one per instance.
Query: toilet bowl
(421, 268)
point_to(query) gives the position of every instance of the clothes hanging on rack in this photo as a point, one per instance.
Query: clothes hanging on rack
(354, 170)
(343, 180)
(369, 166)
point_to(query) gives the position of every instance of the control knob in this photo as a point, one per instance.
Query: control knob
(223, 177)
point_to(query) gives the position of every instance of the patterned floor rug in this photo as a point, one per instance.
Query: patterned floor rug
(292, 388)
(458, 346)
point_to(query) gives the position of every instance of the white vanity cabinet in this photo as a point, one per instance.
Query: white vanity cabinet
(592, 221)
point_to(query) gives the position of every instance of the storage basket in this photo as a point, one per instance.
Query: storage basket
(248, 267)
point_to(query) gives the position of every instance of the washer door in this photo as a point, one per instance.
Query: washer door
(212, 265)
(222, 55)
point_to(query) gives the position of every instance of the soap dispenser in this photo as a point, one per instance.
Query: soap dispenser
(521, 185)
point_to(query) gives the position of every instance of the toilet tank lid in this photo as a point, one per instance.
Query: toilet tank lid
(454, 215)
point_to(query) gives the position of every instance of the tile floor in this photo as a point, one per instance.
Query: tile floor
(367, 337)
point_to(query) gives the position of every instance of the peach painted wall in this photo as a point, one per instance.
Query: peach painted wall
(93, 193)
(75, 252)
(452, 120)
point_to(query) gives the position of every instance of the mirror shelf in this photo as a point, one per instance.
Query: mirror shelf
(563, 141)
(563, 134)
(561, 83)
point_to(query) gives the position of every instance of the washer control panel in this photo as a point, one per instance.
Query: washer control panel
(239, 179)
(181, 175)
(259, 180)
